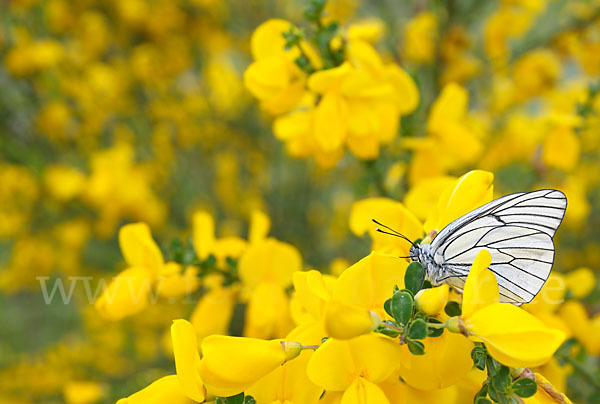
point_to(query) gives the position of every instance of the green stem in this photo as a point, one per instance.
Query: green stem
(436, 325)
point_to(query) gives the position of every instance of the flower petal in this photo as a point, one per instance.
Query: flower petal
(337, 363)
(513, 336)
(481, 287)
(370, 282)
(165, 389)
(362, 391)
(232, 364)
(187, 359)
(138, 247)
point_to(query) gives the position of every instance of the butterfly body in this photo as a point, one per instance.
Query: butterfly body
(516, 229)
(434, 272)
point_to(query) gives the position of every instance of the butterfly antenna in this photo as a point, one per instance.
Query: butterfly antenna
(393, 232)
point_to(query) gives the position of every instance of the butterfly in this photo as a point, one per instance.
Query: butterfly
(516, 229)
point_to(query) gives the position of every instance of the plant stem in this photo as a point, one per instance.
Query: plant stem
(436, 325)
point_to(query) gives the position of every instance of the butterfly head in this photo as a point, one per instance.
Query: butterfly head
(414, 251)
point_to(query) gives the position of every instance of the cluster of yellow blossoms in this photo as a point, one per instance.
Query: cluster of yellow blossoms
(335, 340)
(355, 105)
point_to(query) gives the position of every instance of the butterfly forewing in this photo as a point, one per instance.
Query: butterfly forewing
(517, 230)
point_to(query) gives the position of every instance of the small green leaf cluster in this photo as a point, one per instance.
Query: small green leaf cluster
(500, 386)
(410, 324)
(237, 399)
(184, 254)
(318, 34)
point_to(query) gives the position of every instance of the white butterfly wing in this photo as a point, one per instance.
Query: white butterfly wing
(517, 230)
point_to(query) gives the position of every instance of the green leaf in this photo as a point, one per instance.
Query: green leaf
(314, 10)
(402, 307)
(483, 400)
(390, 332)
(177, 250)
(501, 378)
(493, 393)
(478, 354)
(211, 261)
(249, 400)
(417, 329)
(435, 332)
(482, 393)
(416, 347)
(237, 399)
(524, 387)
(387, 306)
(414, 277)
(452, 309)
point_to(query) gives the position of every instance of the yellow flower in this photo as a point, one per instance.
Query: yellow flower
(56, 121)
(583, 328)
(312, 291)
(420, 36)
(232, 364)
(355, 367)
(119, 187)
(422, 198)
(481, 287)
(337, 364)
(165, 389)
(138, 247)
(550, 297)
(561, 149)
(580, 282)
(18, 195)
(455, 142)
(512, 336)
(389, 213)
(506, 23)
(274, 78)
(82, 392)
(174, 281)
(345, 321)
(356, 104)
(128, 292)
(63, 182)
(203, 227)
(267, 312)
(370, 282)
(433, 300)
(213, 312)
(370, 30)
(205, 242)
(288, 383)
(32, 57)
(469, 192)
(536, 72)
(447, 360)
(187, 359)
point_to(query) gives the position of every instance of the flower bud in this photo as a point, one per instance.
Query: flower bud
(291, 348)
(433, 300)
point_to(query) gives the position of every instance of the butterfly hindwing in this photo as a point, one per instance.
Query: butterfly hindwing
(517, 230)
